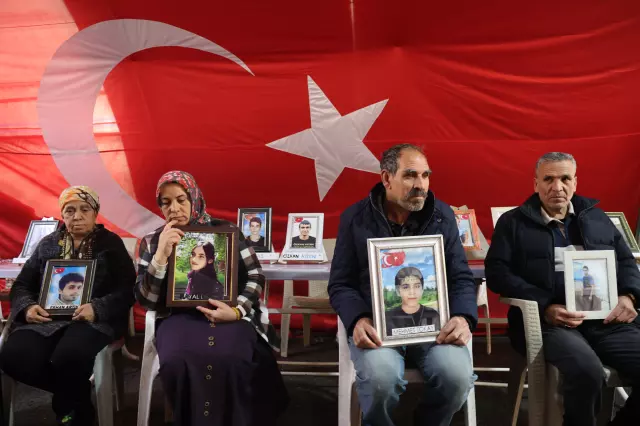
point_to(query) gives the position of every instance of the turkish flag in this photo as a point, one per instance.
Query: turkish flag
(58, 270)
(395, 258)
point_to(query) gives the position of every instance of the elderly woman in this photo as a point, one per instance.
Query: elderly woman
(216, 364)
(58, 355)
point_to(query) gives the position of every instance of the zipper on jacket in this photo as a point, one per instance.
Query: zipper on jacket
(381, 214)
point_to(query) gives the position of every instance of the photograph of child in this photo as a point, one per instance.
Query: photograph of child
(409, 291)
(253, 229)
(200, 267)
(464, 229)
(67, 287)
(591, 287)
(303, 233)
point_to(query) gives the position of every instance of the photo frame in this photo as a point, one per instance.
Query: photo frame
(590, 285)
(496, 212)
(468, 229)
(255, 224)
(66, 285)
(408, 276)
(621, 224)
(204, 265)
(38, 229)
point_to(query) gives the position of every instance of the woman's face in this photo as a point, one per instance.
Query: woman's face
(175, 204)
(410, 292)
(199, 259)
(79, 218)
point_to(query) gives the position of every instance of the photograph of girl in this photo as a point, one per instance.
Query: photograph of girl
(199, 257)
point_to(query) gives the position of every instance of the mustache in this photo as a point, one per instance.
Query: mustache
(417, 193)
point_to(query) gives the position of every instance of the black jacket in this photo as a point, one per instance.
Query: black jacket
(520, 262)
(349, 281)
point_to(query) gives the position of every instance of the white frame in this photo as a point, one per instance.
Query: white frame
(291, 223)
(496, 212)
(612, 283)
(32, 226)
(375, 245)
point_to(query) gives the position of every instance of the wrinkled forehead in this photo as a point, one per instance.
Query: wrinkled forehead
(413, 161)
(556, 169)
(77, 204)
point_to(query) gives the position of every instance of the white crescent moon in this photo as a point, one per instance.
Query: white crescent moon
(67, 96)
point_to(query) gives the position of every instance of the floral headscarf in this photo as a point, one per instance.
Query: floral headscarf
(79, 193)
(198, 205)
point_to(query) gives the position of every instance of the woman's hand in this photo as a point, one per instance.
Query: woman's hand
(223, 313)
(36, 314)
(84, 313)
(169, 237)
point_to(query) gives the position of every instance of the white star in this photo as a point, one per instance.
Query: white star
(333, 141)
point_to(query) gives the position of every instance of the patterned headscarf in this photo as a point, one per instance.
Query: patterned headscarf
(80, 193)
(198, 205)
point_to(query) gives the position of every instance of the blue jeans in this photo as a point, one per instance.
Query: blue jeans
(448, 378)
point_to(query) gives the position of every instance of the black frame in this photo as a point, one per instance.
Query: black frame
(51, 265)
(267, 226)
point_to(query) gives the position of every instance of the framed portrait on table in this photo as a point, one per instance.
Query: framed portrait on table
(255, 224)
(496, 212)
(67, 284)
(304, 239)
(621, 224)
(409, 288)
(204, 266)
(468, 229)
(590, 282)
(38, 229)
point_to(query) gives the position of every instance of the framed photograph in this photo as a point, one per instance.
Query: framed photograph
(255, 224)
(38, 229)
(204, 266)
(468, 229)
(496, 212)
(66, 285)
(304, 231)
(409, 288)
(590, 282)
(621, 224)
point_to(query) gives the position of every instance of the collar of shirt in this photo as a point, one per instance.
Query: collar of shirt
(548, 219)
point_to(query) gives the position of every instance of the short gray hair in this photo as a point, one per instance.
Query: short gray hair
(389, 160)
(555, 157)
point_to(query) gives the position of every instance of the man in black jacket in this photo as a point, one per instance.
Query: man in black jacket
(402, 205)
(526, 261)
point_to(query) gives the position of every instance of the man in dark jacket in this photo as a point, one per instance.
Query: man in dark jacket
(526, 261)
(402, 205)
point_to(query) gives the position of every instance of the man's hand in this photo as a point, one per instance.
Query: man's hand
(623, 313)
(365, 336)
(84, 313)
(36, 314)
(559, 316)
(222, 313)
(455, 332)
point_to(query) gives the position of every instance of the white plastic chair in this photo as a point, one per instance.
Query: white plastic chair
(482, 300)
(104, 376)
(545, 400)
(318, 301)
(149, 370)
(348, 406)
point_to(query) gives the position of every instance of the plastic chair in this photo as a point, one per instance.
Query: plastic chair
(149, 370)
(106, 371)
(545, 400)
(483, 300)
(348, 406)
(318, 300)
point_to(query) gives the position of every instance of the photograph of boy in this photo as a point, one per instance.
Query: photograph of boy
(464, 229)
(589, 291)
(69, 291)
(255, 239)
(304, 240)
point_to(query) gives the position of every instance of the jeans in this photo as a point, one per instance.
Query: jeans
(448, 378)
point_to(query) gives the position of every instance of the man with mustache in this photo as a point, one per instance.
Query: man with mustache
(526, 261)
(402, 205)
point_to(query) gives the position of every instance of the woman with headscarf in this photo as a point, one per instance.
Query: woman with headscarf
(202, 279)
(58, 355)
(216, 364)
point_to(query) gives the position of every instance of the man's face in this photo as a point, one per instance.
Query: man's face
(585, 271)
(410, 291)
(408, 187)
(555, 183)
(304, 230)
(254, 228)
(71, 292)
